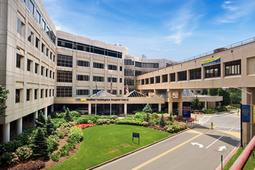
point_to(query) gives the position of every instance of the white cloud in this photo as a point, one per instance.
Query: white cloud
(234, 11)
(183, 24)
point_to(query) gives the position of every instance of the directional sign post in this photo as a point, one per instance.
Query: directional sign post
(245, 113)
(136, 135)
(186, 111)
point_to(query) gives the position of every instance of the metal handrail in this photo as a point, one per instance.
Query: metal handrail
(243, 158)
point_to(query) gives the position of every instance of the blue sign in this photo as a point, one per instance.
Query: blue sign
(245, 113)
(186, 111)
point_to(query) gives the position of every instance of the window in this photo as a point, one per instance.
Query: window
(64, 76)
(28, 94)
(83, 77)
(129, 82)
(112, 79)
(36, 68)
(46, 93)
(53, 75)
(172, 77)
(112, 91)
(37, 42)
(233, 68)
(150, 65)
(38, 16)
(120, 80)
(98, 65)
(29, 65)
(158, 79)
(43, 48)
(65, 43)
(50, 55)
(54, 58)
(19, 59)
(182, 75)
(195, 74)
(164, 78)
(152, 80)
(49, 92)
(129, 62)
(47, 52)
(212, 71)
(137, 73)
(17, 95)
(64, 60)
(42, 90)
(142, 81)
(30, 36)
(98, 78)
(20, 27)
(46, 72)
(138, 64)
(81, 92)
(147, 81)
(112, 67)
(95, 91)
(36, 94)
(31, 6)
(83, 63)
(64, 91)
(50, 73)
(120, 68)
(128, 72)
(42, 70)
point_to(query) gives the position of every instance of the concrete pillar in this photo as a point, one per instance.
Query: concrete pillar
(159, 107)
(35, 116)
(19, 126)
(206, 106)
(46, 112)
(125, 109)
(52, 108)
(246, 99)
(6, 132)
(180, 102)
(89, 108)
(170, 102)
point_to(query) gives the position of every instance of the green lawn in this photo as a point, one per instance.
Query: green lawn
(102, 143)
(249, 165)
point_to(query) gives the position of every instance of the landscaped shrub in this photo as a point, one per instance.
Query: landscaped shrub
(39, 145)
(147, 109)
(221, 109)
(75, 135)
(6, 158)
(75, 114)
(145, 124)
(209, 111)
(31, 165)
(174, 128)
(60, 134)
(128, 121)
(50, 129)
(83, 119)
(40, 121)
(55, 156)
(104, 121)
(60, 115)
(141, 116)
(52, 143)
(24, 153)
(67, 116)
(58, 122)
(162, 121)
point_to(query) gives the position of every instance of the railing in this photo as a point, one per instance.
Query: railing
(243, 158)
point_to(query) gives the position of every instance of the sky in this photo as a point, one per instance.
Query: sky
(170, 29)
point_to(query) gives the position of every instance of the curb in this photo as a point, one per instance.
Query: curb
(136, 150)
(229, 156)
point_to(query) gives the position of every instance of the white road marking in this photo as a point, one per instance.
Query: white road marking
(222, 148)
(197, 144)
(213, 142)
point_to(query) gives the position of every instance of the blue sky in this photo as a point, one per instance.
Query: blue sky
(171, 29)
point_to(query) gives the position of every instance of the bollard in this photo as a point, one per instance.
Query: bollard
(211, 125)
(221, 162)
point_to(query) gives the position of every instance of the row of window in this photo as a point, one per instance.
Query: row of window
(141, 64)
(88, 48)
(34, 67)
(66, 91)
(67, 76)
(34, 10)
(67, 61)
(231, 68)
(33, 94)
(34, 40)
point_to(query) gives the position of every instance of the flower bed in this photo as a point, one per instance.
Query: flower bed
(85, 125)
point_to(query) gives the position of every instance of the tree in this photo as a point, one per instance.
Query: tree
(162, 121)
(226, 97)
(39, 145)
(235, 95)
(3, 98)
(40, 121)
(67, 116)
(147, 109)
(213, 92)
(50, 129)
(195, 104)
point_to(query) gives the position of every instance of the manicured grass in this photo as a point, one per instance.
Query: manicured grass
(250, 164)
(102, 143)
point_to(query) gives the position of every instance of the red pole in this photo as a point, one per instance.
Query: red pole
(243, 158)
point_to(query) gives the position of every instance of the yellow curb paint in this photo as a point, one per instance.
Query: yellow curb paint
(165, 153)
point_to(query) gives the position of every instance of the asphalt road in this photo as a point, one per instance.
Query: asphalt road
(198, 148)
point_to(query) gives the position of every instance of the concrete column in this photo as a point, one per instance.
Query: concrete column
(35, 116)
(6, 132)
(45, 112)
(89, 108)
(202, 73)
(180, 102)
(52, 108)
(206, 106)
(159, 107)
(170, 102)
(188, 75)
(246, 99)
(125, 109)
(19, 126)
